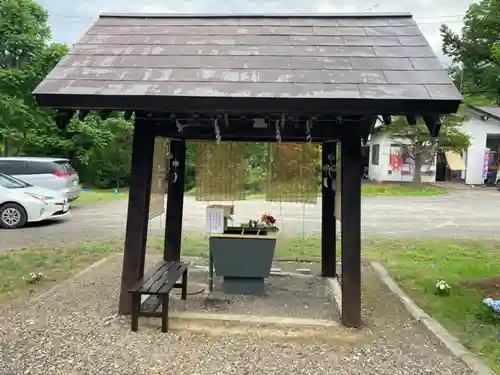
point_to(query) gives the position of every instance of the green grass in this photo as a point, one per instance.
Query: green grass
(399, 190)
(54, 263)
(415, 264)
(418, 265)
(371, 190)
(99, 195)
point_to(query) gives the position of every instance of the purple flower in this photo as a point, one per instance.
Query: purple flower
(494, 304)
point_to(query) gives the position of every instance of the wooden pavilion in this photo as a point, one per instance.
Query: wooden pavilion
(176, 74)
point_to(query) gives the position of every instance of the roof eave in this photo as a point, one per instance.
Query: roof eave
(483, 112)
(313, 105)
(257, 15)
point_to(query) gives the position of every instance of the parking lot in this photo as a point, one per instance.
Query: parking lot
(466, 213)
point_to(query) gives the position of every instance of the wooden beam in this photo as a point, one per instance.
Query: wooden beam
(246, 132)
(137, 215)
(175, 201)
(245, 138)
(328, 220)
(433, 123)
(351, 231)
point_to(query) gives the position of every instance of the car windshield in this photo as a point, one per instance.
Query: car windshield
(10, 182)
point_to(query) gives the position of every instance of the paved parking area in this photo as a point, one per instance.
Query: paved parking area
(461, 213)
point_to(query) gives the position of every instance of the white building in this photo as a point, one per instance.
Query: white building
(484, 128)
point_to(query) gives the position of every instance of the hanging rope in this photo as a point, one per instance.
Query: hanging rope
(217, 131)
(278, 132)
(308, 131)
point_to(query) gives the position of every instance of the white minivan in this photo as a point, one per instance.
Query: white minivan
(51, 173)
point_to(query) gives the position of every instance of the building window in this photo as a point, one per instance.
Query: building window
(375, 154)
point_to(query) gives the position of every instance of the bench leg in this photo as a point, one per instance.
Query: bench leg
(136, 306)
(184, 285)
(164, 310)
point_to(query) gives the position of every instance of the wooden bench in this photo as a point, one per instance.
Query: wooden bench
(157, 284)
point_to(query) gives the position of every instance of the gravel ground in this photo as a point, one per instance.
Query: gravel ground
(300, 297)
(71, 331)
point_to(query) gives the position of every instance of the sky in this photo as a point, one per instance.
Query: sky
(69, 20)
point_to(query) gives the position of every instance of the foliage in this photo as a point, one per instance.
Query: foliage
(99, 149)
(257, 166)
(104, 152)
(25, 58)
(418, 142)
(487, 315)
(476, 69)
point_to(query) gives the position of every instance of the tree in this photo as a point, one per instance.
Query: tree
(477, 69)
(99, 149)
(25, 59)
(421, 146)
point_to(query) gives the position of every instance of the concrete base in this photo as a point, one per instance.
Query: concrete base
(335, 292)
(256, 319)
(243, 285)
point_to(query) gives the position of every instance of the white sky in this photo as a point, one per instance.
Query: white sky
(70, 20)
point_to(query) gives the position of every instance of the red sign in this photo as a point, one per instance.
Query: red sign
(395, 161)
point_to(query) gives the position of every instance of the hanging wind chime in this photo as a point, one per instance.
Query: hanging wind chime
(329, 169)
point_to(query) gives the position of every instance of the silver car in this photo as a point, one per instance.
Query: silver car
(51, 173)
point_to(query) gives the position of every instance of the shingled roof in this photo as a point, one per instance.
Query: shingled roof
(365, 63)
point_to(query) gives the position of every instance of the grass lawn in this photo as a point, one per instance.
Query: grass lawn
(55, 264)
(415, 264)
(470, 267)
(373, 190)
(399, 190)
(99, 195)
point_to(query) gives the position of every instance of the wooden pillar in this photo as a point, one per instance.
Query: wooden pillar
(138, 210)
(175, 201)
(328, 220)
(351, 231)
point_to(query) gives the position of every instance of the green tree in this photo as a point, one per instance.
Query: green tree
(476, 67)
(99, 149)
(421, 146)
(107, 165)
(25, 59)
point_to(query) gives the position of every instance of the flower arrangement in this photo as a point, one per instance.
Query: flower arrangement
(268, 220)
(442, 288)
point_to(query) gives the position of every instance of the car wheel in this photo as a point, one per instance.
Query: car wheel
(12, 216)
(498, 185)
